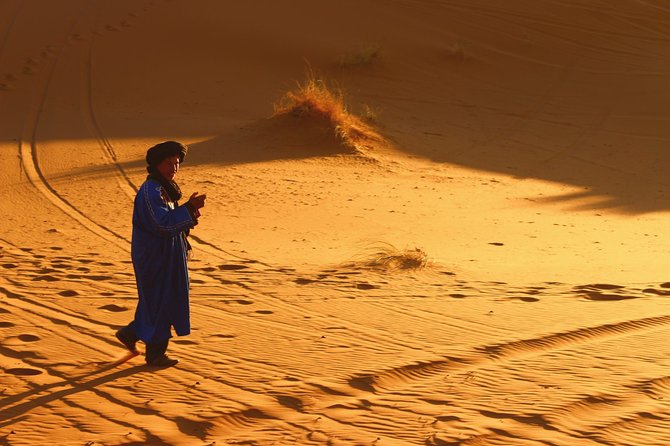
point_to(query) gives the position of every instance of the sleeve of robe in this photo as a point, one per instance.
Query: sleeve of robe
(158, 252)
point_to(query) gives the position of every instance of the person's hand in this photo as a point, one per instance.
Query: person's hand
(197, 201)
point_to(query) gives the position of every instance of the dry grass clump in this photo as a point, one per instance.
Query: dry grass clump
(314, 98)
(387, 257)
(456, 52)
(370, 114)
(363, 55)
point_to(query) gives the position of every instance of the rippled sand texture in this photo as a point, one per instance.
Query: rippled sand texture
(518, 148)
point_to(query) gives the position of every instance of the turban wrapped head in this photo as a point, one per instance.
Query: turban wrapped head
(163, 150)
(158, 153)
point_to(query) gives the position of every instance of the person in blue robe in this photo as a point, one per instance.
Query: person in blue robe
(159, 251)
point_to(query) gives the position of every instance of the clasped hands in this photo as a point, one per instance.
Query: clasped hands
(197, 201)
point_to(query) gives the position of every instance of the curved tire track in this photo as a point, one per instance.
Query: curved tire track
(406, 375)
(30, 164)
(125, 183)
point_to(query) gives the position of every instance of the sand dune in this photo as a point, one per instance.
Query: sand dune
(517, 148)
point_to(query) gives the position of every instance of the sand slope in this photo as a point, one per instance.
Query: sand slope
(524, 153)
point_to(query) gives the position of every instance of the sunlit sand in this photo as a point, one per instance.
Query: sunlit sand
(428, 222)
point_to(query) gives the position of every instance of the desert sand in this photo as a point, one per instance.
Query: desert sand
(473, 252)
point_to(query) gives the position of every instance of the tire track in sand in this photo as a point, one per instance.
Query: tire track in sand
(125, 183)
(408, 374)
(27, 147)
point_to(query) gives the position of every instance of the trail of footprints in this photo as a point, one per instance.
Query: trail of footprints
(49, 277)
(31, 64)
(48, 274)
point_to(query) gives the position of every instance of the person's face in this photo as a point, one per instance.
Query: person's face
(169, 167)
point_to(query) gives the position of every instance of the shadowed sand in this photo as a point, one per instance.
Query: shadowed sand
(471, 251)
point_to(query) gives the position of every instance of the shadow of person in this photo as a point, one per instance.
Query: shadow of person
(12, 407)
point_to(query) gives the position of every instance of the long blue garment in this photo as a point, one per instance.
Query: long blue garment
(158, 250)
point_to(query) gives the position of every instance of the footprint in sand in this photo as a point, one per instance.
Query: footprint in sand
(528, 299)
(223, 336)
(5, 324)
(45, 278)
(283, 270)
(366, 286)
(447, 418)
(303, 281)
(28, 337)
(10, 265)
(69, 293)
(78, 37)
(290, 401)
(232, 267)
(207, 269)
(23, 371)
(655, 291)
(95, 278)
(113, 308)
(597, 292)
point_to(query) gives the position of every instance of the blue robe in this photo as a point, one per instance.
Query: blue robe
(158, 250)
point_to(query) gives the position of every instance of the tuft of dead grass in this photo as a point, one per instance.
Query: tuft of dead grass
(386, 257)
(316, 98)
(365, 54)
(370, 114)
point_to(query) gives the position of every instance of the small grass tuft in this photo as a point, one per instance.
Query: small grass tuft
(363, 55)
(387, 257)
(456, 52)
(370, 114)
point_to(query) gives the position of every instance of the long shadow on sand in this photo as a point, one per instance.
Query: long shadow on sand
(17, 405)
(629, 180)
(282, 137)
(274, 139)
(14, 408)
(625, 180)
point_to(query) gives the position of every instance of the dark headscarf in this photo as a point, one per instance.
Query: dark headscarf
(158, 153)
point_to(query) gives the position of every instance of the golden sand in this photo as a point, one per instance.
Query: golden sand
(428, 222)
